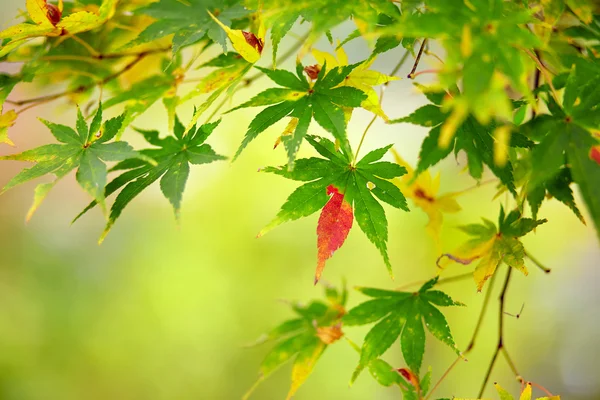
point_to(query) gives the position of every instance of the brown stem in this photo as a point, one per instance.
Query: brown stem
(416, 64)
(500, 347)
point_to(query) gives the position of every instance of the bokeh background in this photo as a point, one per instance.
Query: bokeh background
(163, 312)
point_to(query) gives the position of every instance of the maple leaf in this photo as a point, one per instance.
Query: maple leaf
(493, 245)
(361, 78)
(172, 158)
(48, 21)
(566, 141)
(354, 189)
(321, 100)
(189, 21)
(471, 137)
(422, 189)
(334, 225)
(303, 338)
(401, 315)
(84, 150)
(525, 394)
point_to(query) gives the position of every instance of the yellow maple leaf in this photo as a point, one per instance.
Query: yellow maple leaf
(247, 44)
(48, 22)
(525, 394)
(361, 78)
(423, 191)
(6, 121)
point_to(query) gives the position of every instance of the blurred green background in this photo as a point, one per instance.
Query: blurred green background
(161, 312)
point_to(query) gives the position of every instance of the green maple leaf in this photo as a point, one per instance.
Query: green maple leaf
(401, 315)
(491, 245)
(361, 185)
(471, 137)
(566, 140)
(173, 157)
(85, 150)
(303, 101)
(303, 338)
(189, 21)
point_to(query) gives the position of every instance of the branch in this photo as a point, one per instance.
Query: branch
(500, 347)
(45, 99)
(411, 75)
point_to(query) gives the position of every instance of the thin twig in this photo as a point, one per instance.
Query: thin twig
(411, 75)
(500, 347)
(444, 375)
(80, 89)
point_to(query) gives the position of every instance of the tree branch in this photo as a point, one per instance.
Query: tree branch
(411, 75)
(500, 347)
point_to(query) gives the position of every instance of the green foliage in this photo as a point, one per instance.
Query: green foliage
(85, 150)
(304, 338)
(170, 162)
(303, 101)
(362, 184)
(401, 315)
(516, 93)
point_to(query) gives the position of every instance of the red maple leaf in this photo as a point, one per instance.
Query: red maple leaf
(334, 224)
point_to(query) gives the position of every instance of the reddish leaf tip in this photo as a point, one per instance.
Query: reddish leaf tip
(595, 154)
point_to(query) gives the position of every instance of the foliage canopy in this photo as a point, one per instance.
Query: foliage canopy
(516, 93)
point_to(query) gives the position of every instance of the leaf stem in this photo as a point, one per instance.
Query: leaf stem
(545, 72)
(537, 263)
(381, 93)
(439, 282)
